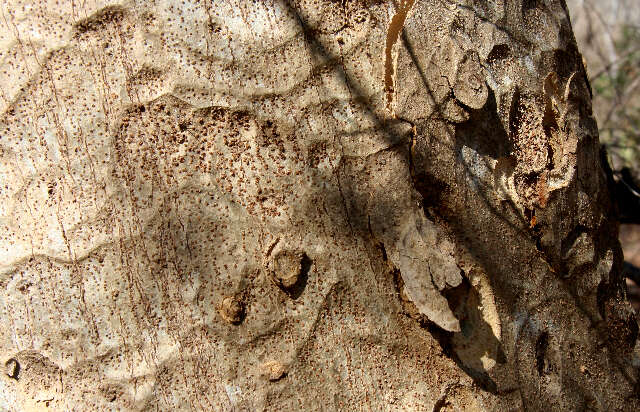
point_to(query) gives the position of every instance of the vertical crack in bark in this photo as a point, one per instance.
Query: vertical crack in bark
(541, 349)
(393, 33)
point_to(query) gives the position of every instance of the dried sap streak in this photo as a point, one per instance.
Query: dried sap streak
(395, 27)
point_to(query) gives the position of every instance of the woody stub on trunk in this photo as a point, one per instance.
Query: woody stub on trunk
(305, 205)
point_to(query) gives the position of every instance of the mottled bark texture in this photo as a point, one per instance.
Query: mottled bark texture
(305, 205)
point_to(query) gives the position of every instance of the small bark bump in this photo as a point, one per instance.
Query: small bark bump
(274, 370)
(232, 309)
(12, 368)
(287, 268)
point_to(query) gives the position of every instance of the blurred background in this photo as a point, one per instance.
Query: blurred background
(608, 35)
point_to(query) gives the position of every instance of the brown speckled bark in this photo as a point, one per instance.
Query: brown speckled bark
(305, 205)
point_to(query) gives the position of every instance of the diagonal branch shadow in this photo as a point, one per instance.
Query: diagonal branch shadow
(508, 220)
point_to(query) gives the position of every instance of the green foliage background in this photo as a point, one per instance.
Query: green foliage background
(617, 101)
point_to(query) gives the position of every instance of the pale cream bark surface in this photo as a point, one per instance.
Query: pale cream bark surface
(304, 205)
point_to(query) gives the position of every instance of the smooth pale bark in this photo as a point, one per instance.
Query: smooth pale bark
(305, 205)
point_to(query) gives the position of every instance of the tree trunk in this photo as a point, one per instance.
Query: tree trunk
(305, 205)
